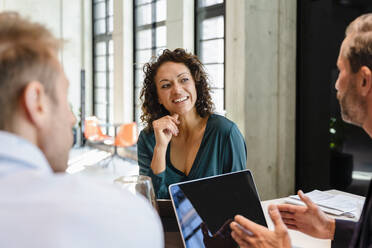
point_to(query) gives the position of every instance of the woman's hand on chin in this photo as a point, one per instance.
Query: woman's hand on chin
(164, 129)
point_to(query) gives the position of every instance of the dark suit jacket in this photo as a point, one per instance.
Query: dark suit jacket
(352, 234)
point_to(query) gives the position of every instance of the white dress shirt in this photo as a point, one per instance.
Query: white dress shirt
(39, 208)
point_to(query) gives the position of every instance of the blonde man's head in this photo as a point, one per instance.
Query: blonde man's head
(28, 52)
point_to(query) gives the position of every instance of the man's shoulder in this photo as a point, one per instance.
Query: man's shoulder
(58, 189)
(94, 190)
(69, 203)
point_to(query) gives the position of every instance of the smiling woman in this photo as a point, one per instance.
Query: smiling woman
(183, 139)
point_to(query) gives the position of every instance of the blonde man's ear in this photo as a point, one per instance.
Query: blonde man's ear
(34, 102)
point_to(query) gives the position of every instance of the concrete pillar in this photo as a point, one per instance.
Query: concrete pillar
(180, 24)
(260, 88)
(70, 29)
(123, 61)
(86, 53)
(235, 62)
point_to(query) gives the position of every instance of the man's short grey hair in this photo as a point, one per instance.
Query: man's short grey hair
(359, 47)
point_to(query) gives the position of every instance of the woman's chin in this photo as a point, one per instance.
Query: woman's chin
(183, 111)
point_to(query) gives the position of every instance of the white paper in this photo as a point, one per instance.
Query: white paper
(338, 204)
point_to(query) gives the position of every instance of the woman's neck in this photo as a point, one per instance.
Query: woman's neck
(190, 122)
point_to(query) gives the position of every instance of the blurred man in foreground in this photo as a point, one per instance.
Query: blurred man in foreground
(38, 206)
(354, 86)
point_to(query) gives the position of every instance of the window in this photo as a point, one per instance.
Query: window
(210, 45)
(103, 60)
(149, 40)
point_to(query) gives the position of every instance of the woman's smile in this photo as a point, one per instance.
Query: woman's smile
(181, 100)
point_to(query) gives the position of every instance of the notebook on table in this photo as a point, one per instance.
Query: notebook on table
(204, 205)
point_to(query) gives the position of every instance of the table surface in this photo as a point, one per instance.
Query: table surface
(298, 239)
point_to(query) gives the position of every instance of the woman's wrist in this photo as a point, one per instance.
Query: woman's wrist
(160, 150)
(156, 170)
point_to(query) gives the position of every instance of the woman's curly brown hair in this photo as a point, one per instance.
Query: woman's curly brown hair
(151, 108)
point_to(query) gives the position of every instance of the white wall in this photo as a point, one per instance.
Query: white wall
(69, 20)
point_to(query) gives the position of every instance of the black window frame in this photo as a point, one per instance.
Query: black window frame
(203, 13)
(154, 47)
(106, 38)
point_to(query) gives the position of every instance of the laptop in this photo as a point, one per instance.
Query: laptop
(206, 206)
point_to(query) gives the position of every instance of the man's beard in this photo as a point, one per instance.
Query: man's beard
(353, 106)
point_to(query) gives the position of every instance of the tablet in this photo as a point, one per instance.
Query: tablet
(204, 205)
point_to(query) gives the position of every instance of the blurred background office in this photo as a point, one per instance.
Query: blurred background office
(272, 67)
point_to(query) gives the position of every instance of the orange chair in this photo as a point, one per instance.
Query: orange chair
(92, 130)
(127, 135)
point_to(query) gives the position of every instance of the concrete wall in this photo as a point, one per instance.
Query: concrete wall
(123, 61)
(260, 88)
(69, 20)
(180, 24)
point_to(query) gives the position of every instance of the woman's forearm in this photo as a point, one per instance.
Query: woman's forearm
(158, 160)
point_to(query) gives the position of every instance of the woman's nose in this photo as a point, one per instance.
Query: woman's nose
(176, 88)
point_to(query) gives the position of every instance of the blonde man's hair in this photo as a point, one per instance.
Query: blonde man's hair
(359, 47)
(28, 53)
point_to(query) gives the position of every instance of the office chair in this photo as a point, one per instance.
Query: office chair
(126, 135)
(93, 132)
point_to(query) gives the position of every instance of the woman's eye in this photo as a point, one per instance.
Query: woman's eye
(164, 86)
(183, 80)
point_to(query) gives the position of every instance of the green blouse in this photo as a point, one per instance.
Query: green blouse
(222, 150)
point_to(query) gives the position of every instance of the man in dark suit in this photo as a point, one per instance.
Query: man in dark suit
(354, 92)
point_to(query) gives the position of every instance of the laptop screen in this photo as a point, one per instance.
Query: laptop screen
(205, 205)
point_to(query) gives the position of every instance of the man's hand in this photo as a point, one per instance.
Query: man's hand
(249, 234)
(308, 219)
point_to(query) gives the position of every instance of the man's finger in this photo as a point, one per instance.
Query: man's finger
(289, 221)
(242, 234)
(289, 208)
(292, 227)
(245, 223)
(287, 215)
(306, 200)
(240, 230)
(238, 240)
(275, 216)
(235, 228)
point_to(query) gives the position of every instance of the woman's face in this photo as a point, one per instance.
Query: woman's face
(176, 88)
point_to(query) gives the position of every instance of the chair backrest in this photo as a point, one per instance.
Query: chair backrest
(127, 135)
(92, 131)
